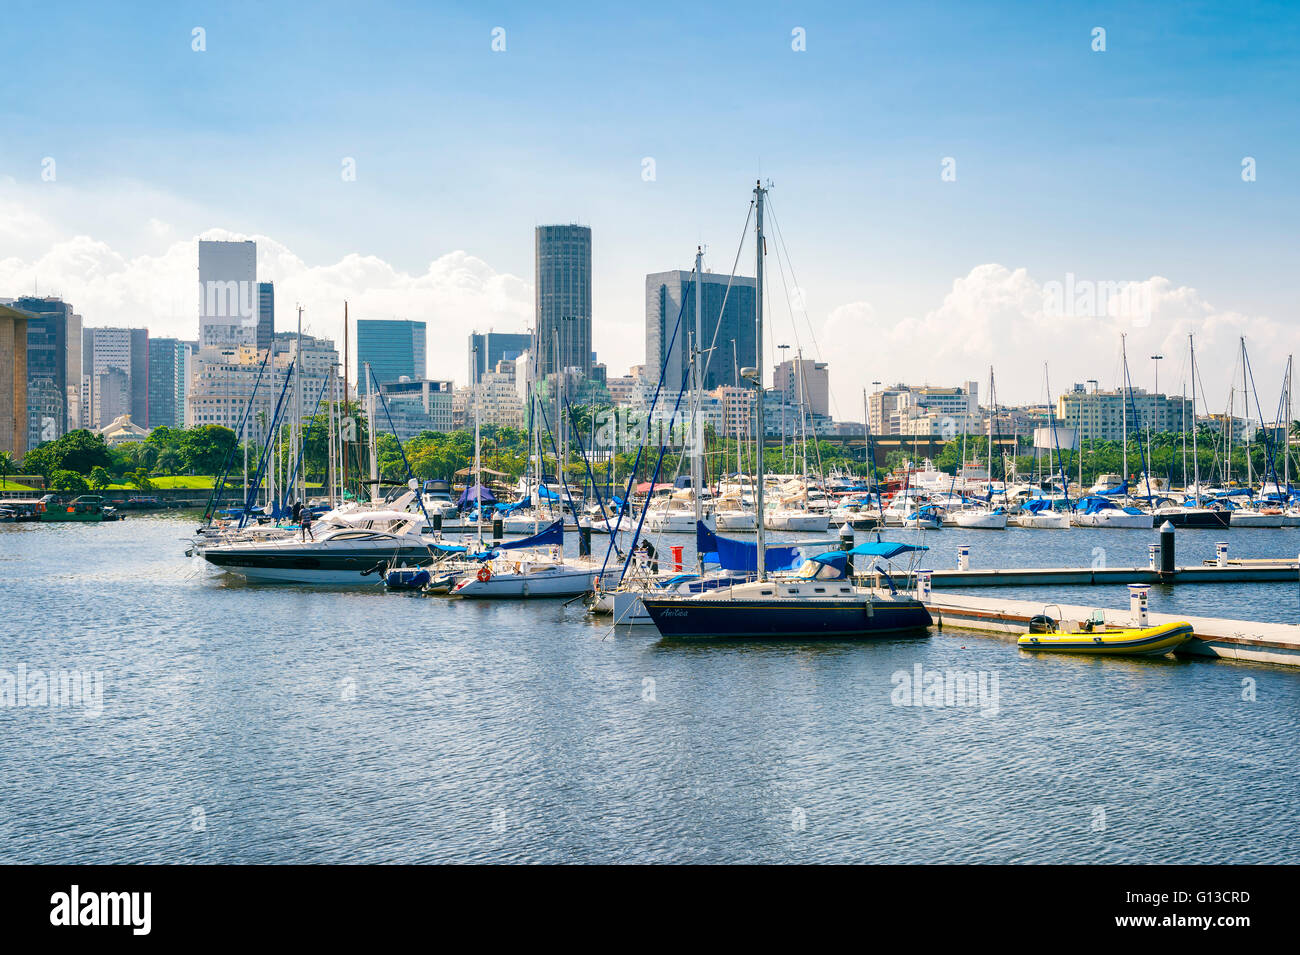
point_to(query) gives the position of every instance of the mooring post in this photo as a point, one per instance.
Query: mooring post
(1167, 567)
(963, 557)
(1221, 554)
(846, 545)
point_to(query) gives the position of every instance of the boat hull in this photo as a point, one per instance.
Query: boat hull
(525, 586)
(1114, 519)
(697, 619)
(297, 566)
(1196, 517)
(1149, 642)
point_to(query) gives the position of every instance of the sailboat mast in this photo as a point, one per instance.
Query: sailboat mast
(343, 441)
(697, 424)
(1245, 412)
(1123, 402)
(1196, 458)
(374, 444)
(1286, 433)
(759, 193)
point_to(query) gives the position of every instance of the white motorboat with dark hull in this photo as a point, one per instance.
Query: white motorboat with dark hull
(345, 548)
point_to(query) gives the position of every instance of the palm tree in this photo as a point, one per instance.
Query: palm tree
(7, 467)
(168, 463)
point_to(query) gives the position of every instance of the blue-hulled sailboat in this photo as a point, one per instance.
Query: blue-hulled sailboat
(819, 601)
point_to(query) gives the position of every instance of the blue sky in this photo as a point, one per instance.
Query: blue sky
(1121, 164)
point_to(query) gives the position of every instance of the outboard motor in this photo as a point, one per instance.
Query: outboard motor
(1042, 623)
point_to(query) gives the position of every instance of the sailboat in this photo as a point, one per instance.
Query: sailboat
(1192, 513)
(822, 601)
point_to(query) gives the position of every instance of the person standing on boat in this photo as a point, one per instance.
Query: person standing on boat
(304, 521)
(651, 555)
(296, 510)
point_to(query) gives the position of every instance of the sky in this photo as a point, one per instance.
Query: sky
(939, 173)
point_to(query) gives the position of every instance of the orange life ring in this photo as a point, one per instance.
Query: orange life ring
(484, 574)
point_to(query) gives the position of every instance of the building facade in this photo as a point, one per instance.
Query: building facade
(228, 293)
(729, 331)
(53, 368)
(412, 406)
(169, 380)
(1104, 415)
(224, 380)
(804, 381)
(394, 349)
(13, 381)
(105, 395)
(563, 298)
(489, 348)
(265, 314)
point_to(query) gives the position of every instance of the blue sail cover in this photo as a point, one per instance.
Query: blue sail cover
(478, 493)
(551, 535)
(742, 555)
(885, 549)
(1122, 488)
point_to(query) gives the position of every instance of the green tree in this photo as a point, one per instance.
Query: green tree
(204, 449)
(6, 466)
(71, 481)
(100, 478)
(139, 479)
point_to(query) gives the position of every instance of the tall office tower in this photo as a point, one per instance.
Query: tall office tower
(53, 367)
(665, 295)
(486, 350)
(228, 293)
(394, 348)
(13, 380)
(563, 281)
(115, 375)
(805, 383)
(265, 314)
(169, 379)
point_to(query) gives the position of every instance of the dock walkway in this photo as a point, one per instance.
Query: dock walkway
(1244, 640)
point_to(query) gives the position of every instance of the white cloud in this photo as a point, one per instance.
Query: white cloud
(456, 293)
(1003, 317)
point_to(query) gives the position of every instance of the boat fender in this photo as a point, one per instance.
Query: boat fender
(484, 574)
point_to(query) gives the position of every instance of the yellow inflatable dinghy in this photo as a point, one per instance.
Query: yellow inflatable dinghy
(1094, 637)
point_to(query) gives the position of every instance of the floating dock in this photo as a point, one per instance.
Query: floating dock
(1235, 572)
(1244, 640)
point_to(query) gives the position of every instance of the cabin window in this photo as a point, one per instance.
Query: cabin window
(820, 590)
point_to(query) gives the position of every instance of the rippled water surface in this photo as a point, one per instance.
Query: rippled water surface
(282, 724)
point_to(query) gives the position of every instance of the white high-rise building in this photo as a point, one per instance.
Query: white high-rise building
(228, 293)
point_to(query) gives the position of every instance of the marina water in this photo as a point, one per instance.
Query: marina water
(288, 724)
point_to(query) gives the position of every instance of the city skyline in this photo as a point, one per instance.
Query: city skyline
(927, 278)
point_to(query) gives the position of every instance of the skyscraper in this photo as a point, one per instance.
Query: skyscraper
(485, 350)
(265, 315)
(115, 375)
(563, 265)
(228, 293)
(394, 348)
(53, 364)
(13, 381)
(804, 383)
(169, 371)
(665, 295)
